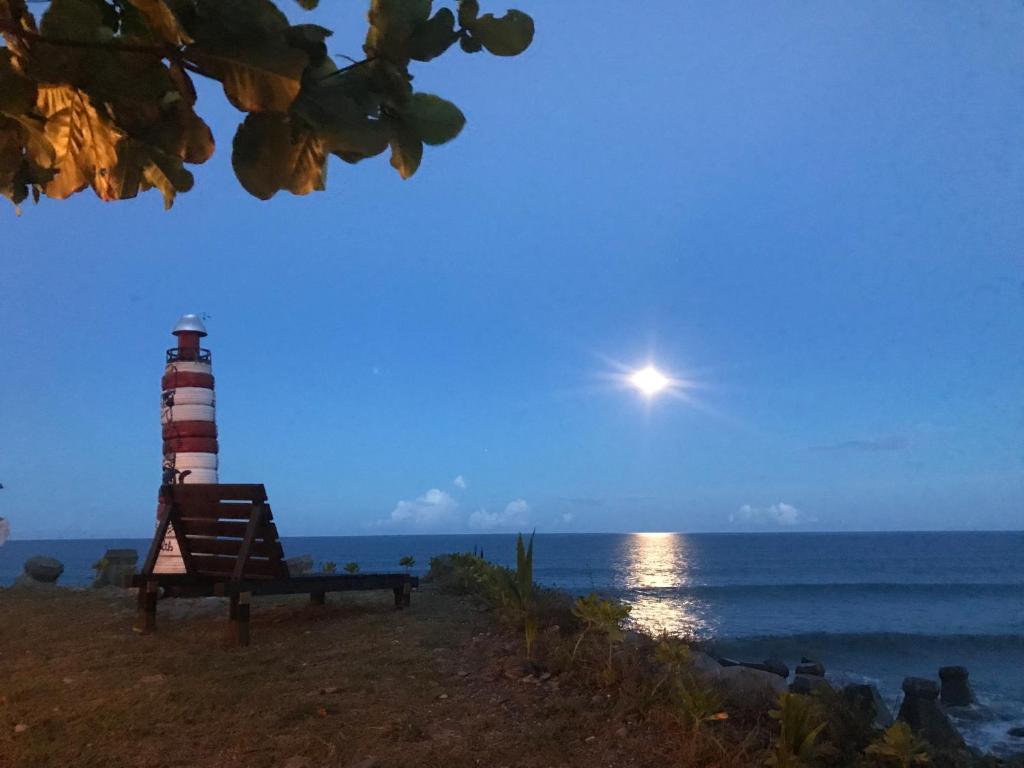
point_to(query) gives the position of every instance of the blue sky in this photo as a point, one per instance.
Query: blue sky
(813, 210)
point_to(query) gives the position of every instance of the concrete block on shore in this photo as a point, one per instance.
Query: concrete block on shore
(808, 684)
(956, 691)
(116, 568)
(867, 700)
(41, 570)
(923, 713)
(810, 667)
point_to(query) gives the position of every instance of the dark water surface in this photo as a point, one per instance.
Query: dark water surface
(874, 606)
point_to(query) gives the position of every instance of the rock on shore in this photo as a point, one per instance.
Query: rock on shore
(956, 692)
(116, 568)
(750, 687)
(923, 713)
(40, 571)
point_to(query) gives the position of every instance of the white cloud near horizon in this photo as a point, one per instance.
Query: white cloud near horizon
(515, 514)
(781, 514)
(432, 509)
(460, 482)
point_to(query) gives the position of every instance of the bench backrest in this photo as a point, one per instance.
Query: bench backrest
(223, 531)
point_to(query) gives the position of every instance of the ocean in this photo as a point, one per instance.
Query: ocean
(873, 607)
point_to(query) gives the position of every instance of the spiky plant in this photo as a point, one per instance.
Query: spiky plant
(899, 746)
(795, 745)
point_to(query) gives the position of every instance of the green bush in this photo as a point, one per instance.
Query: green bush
(898, 746)
(795, 746)
(603, 617)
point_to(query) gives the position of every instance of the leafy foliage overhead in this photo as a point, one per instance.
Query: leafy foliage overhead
(99, 94)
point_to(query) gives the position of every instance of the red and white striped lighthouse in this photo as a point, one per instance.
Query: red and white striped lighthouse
(188, 408)
(189, 425)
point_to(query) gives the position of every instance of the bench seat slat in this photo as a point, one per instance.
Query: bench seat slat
(205, 545)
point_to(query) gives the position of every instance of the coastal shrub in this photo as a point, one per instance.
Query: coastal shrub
(898, 746)
(524, 592)
(693, 701)
(603, 617)
(329, 567)
(697, 703)
(848, 729)
(634, 678)
(457, 573)
(796, 744)
(407, 562)
(496, 587)
(352, 567)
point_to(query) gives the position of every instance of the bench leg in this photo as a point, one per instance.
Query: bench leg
(316, 598)
(238, 619)
(145, 623)
(399, 597)
(407, 595)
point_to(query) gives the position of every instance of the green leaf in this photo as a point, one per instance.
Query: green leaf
(308, 5)
(162, 22)
(311, 39)
(433, 37)
(508, 35)
(11, 160)
(17, 92)
(80, 20)
(392, 22)
(470, 44)
(256, 78)
(343, 126)
(141, 167)
(468, 11)
(406, 152)
(166, 174)
(182, 132)
(436, 120)
(241, 21)
(270, 154)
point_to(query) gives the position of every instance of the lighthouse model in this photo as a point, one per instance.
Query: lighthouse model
(187, 408)
(188, 422)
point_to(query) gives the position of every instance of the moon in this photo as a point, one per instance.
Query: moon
(649, 380)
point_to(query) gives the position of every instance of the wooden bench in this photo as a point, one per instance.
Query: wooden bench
(229, 547)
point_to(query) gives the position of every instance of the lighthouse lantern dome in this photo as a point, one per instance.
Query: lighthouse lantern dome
(190, 324)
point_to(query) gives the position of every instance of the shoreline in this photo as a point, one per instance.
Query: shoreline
(967, 720)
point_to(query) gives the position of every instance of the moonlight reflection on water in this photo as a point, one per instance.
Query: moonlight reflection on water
(657, 573)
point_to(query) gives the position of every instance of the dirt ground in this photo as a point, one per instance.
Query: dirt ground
(352, 684)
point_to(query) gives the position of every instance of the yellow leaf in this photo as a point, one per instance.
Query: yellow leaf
(162, 22)
(256, 78)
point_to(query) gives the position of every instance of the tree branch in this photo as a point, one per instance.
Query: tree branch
(10, 27)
